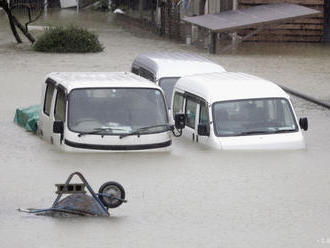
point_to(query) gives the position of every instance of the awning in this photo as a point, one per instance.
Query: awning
(251, 17)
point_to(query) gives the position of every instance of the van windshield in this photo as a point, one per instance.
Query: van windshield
(167, 84)
(116, 110)
(253, 117)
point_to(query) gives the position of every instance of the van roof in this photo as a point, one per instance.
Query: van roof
(175, 64)
(227, 86)
(72, 80)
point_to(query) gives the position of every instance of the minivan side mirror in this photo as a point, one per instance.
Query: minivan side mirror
(203, 130)
(58, 127)
(180, 121)
(303, 123)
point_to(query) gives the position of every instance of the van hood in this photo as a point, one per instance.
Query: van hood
(285, 141)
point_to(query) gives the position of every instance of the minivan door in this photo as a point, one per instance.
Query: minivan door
(59, 114)
(46, 115)
(192, 113)
(204, 123)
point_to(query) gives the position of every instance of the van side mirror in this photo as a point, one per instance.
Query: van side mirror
(180, 121)
(203, 130)
(58, 127)
(303, 123)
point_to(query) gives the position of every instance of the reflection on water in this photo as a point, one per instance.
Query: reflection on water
(190, 197)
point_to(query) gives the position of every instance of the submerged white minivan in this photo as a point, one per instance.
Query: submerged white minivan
(165, 68)
(103, 111)
(237, 111)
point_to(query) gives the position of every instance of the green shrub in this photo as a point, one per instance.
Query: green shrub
(69, 39)
(104, 5)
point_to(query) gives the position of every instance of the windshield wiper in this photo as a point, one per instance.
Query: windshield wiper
(139, 130)
(265, 132)
(254, 132)
(284, 130)
(100, 130)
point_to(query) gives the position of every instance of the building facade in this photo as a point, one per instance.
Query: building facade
(165, 17)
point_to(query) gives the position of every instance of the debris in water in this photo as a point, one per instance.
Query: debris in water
(110, 195)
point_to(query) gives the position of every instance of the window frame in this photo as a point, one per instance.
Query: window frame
(183, 105)
(192, 99)
(60, 88)
(255, 99)
(49, 83)
(135, 70)
(149, 73)
(159, 82)
(110, 134)
(207, 112)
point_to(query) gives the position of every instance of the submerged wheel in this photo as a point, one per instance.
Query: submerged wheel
(114, 189)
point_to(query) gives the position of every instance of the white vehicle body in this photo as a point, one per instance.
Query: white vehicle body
(165, 68)
(216, 102)
(68, 3)
(100, 111)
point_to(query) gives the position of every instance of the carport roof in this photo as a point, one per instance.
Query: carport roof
(251, 17)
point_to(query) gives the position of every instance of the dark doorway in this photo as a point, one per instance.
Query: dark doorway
(202, 7)
(226, 5)
(326, 37)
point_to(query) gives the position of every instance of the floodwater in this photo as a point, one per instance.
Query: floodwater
(190, 197)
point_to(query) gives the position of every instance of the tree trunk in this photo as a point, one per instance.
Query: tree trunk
(24, 30)
(4, 5)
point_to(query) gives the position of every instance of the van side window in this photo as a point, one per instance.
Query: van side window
(177, 103)
(191, 112)
(203, 114)
(60, 106)
(146, 74)
(48, 98)
(135, 70)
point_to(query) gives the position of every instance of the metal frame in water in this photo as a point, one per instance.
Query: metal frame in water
(78, 203)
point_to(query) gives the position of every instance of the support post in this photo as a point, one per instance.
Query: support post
(241, 39)
(188, 29)
(234, 37)
(141, 8)
(212, 42)
(45, 7)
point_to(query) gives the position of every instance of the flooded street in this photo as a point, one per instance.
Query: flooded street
(189, 197)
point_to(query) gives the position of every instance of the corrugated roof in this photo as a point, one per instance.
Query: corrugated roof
(251, 17)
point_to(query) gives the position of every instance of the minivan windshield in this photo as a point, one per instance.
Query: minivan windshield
(116, 110)
(167, 84)
(253, 117)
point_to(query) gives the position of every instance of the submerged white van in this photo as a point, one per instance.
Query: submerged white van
(103, 112)
(165, 68)
(237, 111)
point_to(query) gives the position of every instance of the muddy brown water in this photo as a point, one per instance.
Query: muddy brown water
(189, 197)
